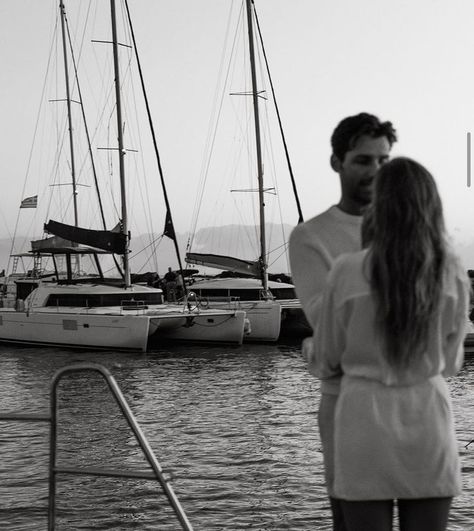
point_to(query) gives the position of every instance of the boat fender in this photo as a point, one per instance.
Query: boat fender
(203, 303)
(247, 327)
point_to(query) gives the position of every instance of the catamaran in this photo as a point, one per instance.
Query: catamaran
(272, 307)
(65, 307)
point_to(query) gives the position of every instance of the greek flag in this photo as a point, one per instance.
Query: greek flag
(30, 202)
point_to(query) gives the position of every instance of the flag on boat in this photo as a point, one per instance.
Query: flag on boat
(169, 228)
(29, 202)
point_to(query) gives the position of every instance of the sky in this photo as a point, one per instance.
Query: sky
(407, 62)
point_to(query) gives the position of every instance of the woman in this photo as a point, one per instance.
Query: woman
(393, 323)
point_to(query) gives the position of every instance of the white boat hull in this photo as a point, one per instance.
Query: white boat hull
(110, 329)
(264, 317)
(205, 326)
(127, 326)
(86, 330)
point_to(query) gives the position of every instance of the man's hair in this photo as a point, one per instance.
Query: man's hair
(349, 130)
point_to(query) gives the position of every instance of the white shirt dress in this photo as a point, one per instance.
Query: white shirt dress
(394, 436)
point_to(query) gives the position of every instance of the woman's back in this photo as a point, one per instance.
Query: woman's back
(394, 433)
(351, 339)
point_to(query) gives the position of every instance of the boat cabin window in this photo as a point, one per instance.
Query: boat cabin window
(236, 294)
(89, 300)
(283, 293)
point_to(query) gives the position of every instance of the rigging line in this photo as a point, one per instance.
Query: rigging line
(86, 128)
(81, 102)
(155, 145)
(206, 165)
(283, 245)
(144, 249)
(213, 124)
(160, 237)
(110, 171)
(243, 127)
(30, 156)
(78, 31)
(145, 197)
(300, 213)
(269, 145)
(247, 230)
(143, 190)
(276, 259)
(284, 252)
(88, 156)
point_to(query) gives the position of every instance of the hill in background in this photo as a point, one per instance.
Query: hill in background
(157, 253)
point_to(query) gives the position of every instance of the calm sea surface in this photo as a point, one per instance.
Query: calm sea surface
(235, 428)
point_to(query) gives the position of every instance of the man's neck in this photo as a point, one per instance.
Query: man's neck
(351, 208)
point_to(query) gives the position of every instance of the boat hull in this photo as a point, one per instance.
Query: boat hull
(126, 325)
(270, 318)
(293, 320)
(77, 330)
(264, 317)
(206, 326)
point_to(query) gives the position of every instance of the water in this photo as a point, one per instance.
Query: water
(235, 428)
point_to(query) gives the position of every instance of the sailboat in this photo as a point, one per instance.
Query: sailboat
(64, 308)
(271, 306)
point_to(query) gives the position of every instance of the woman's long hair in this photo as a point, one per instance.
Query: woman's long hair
(407, 255)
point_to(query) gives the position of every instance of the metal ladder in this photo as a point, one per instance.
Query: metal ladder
(54, 469)
(16, 259)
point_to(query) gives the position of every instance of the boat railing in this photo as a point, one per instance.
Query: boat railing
(51, 418)
(205, 300)
(195, 302)
(222, 298)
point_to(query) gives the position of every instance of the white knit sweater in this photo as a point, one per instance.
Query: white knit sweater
(314, 245)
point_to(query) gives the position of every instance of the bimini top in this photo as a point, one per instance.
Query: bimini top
(58, 245)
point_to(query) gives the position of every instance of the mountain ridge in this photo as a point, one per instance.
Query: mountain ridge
(231, 240)
(153, 252)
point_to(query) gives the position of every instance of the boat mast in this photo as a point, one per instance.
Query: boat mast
(263, 251)
(124, 223)
(69, 116)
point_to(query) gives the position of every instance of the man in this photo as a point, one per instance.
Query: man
(170, 285)
(360, 145)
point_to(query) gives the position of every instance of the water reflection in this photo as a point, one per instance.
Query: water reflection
(234, 427)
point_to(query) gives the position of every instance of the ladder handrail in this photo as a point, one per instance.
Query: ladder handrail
(134, 426)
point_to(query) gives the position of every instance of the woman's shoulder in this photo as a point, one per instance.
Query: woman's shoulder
(453, 263)
(456, 277)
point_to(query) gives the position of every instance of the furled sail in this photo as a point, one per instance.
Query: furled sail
(228, 263)
(111, 241)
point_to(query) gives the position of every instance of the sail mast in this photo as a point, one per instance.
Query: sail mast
(69, 116)
(121, 151)
(263, 252)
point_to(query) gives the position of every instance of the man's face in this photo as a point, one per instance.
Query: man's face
(358, 169)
